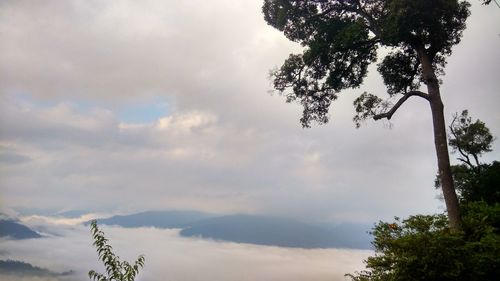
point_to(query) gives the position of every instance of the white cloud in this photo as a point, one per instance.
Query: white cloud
(44, 220)
(186, 122)
(170, 257)
(88, 159)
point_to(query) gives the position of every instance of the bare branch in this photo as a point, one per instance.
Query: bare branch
(400, 102)
(466, 160)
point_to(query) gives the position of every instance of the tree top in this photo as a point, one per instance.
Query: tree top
(341, 38)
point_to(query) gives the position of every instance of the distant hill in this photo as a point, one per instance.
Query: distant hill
(14, 230)
(160, 219)
(20, 268)
(280, 232)
(260, 230)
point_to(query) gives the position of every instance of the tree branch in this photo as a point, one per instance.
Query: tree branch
(477, 160)
(372, 25)
(467, 161)
(400, 102)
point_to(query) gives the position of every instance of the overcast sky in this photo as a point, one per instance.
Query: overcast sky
(124, 106)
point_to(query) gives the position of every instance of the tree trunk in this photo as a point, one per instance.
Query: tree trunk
(440, 141)
(443, 159)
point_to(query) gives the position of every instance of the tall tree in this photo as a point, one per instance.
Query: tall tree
(341, 39)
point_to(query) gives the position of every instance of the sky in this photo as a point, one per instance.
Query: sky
(126, 106)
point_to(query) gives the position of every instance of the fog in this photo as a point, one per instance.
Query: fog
(171, 257)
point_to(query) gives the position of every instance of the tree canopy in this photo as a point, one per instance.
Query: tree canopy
(423, 248)
(341, 39)
(474, 181)
(477, 185)
(470, 139)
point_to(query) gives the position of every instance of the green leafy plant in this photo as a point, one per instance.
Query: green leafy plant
(474, 180)
(477, 185)
(116, 269)
(470, 139)
(422, 247)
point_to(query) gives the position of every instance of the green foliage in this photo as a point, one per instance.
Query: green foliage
(116, 270)
(341, 39)
(423, 248)
(470, 139)
(400, 70)
(474, 181)
(365, 106)
(478, 184)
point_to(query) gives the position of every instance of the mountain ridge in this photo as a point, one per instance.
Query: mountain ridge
(251, 229)
(10, 228)
(160, 219)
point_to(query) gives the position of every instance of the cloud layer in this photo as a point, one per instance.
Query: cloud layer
(170, 257)
(193, 160)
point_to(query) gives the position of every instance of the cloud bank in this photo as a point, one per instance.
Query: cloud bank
(171, 257)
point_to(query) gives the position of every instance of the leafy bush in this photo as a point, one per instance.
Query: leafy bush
(116, 270)
(422, 247)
